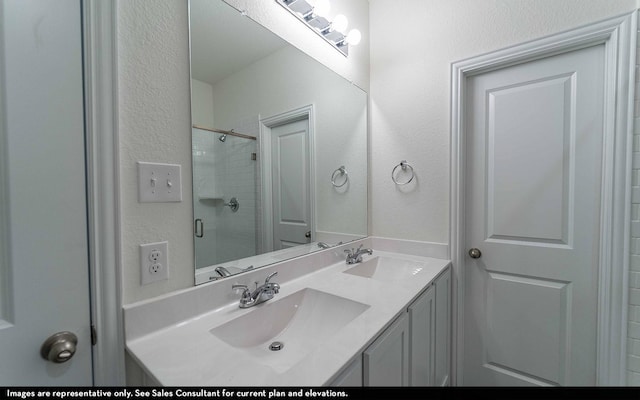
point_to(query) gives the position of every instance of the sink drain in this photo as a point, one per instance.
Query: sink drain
(276, 346)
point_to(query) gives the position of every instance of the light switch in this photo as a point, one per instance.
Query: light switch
(159, 183)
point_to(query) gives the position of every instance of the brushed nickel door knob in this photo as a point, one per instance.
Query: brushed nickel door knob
(475, 253)
(59, 347)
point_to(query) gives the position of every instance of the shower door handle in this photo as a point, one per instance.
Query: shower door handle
(199, 228)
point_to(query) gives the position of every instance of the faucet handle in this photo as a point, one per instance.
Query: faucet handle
(353, 251)
(245, 289)
(270, 276)
(274, 287)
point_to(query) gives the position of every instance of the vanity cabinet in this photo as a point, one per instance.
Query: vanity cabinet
(422, 318)
(442, 348)
(390, 328)
(415, 349)
(350, 376)
(386, 361)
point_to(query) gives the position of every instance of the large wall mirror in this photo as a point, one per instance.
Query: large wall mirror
(279, 147)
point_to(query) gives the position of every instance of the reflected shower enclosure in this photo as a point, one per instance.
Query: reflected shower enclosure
(225, 177)
(270, 127)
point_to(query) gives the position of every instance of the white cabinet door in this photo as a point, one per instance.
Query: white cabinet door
(351, 376)
(386, 361)
(443, 329)
(422, 338)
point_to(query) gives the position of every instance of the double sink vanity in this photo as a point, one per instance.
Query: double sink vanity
(335, 317)
(275, 305)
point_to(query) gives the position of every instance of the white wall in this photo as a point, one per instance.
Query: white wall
(202, 105)
(154, 124)
(410, 105)
(413, 43)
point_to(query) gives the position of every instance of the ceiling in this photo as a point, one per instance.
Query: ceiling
(224, 41)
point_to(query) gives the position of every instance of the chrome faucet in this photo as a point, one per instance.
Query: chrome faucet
(323, 245)
(222, 271)
(260, 294)
(355, 256)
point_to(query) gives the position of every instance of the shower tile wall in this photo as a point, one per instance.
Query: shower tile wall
(223, 170)
(235, 174)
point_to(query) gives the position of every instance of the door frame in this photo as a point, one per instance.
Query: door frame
(298, 114)
(99, 30)
(618, 34)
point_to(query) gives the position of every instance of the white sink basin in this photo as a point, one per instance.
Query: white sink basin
(386, 269)
(301, 321)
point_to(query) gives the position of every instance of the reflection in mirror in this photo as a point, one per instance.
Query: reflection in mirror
(279, 147)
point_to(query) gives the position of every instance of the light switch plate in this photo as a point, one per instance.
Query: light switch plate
(154, 262)
(159, 183)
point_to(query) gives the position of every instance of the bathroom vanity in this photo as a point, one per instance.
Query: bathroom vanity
(414, 350)
(384, 321)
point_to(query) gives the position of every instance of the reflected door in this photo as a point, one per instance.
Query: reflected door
(291, 186)
(534, 158)
(44, 277)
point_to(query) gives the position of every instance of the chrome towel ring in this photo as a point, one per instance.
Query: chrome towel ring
(404, 165)
(339, 172)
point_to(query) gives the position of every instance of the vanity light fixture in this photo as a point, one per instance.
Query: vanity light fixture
(314, 14)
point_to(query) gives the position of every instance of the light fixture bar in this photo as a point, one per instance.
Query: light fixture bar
(319, 24)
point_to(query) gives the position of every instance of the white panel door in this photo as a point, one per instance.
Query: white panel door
(533, 179)
(291, 186)
(44, 282)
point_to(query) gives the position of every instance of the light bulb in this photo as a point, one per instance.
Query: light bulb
(354, 37)
(321, 8)
(340, 23)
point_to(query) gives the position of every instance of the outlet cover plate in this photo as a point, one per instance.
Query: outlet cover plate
(154, 262)
(159, 183)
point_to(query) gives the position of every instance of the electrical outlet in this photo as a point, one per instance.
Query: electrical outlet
(155, 268)
(154, 262)
(154, 255)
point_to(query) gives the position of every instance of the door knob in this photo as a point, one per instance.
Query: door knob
(59, 347)
(307, 234)
(475, 253)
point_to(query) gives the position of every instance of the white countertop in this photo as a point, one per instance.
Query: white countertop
(186, 353)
